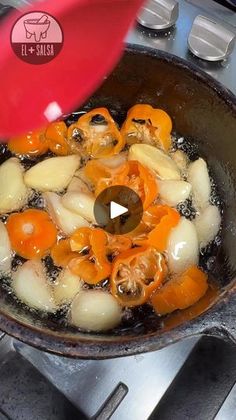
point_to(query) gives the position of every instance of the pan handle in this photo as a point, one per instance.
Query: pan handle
(220, 321)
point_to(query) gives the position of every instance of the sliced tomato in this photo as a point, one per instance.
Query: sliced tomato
(130, 174)
(94, 266)
(100, 175)
(33, 143)
(62, 254)
(56, 135)
(58, 139)
(145, 124)
(157, 223)
(117, 244)
(32, 233)
(97, 134)
(136, 273)
(181, 291)
(80, 239)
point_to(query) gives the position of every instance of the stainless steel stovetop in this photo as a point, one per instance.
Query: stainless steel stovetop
(194, 379)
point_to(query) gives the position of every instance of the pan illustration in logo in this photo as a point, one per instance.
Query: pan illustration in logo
(36, 37)
(37, 27)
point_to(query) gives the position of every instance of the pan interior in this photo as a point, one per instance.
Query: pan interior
(206, 116)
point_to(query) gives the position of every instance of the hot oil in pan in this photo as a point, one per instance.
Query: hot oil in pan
(139, 320)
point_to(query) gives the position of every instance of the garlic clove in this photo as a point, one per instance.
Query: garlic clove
(66, 220)
(181, 159)
(77, 185)
(207, 225)
(66, 287)
(32, 288)
(95, 310)
(5, 249)
(13, 192)
(156, 160)
(198, 177)
(80, 173)
(53, 174)
(174, 192)
(81, 204)
(182, 248)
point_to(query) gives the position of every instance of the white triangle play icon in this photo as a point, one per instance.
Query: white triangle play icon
(117, 210)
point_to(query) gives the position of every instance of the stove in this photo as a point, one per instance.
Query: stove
(195, 378)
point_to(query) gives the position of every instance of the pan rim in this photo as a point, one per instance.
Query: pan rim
(128, 345)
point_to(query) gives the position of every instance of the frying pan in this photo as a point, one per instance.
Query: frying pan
(205, 113)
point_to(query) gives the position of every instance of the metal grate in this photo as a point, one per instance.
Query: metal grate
(192, 379)
(98, 389)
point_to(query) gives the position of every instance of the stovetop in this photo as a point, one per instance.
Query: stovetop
(194, 379)
(175, 40)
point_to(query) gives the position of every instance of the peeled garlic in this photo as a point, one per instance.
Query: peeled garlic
(198, 177)
(66, 287)
(76, 184)
(53, 174)
(173, 192)
(155, 159)
(181, 160)
(31, 286)
(207, 225)
(182, 248)
(95, 310)
(13, 192)
(80, 173)
(80, 203)
(5, 249)
(66, 220)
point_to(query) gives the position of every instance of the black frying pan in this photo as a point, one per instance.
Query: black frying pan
(205, 113)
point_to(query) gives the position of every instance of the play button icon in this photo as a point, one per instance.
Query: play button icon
(118, 210)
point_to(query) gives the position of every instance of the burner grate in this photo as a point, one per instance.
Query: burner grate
(192, 379)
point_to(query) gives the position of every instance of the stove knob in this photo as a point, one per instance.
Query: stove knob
(210, 40)
(159, 14)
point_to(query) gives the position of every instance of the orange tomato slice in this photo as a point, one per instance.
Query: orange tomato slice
(159, 220)
(33, 143)
(181, 291)
(97, 134)
(31, 233)
(136, 273)
(101, 136)
(56, 135)
(148, 125)
(131, 174)
(80, 239)
(117, 244)
(61, 253)
(141, 180)
(100, 175)
(93, 267)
